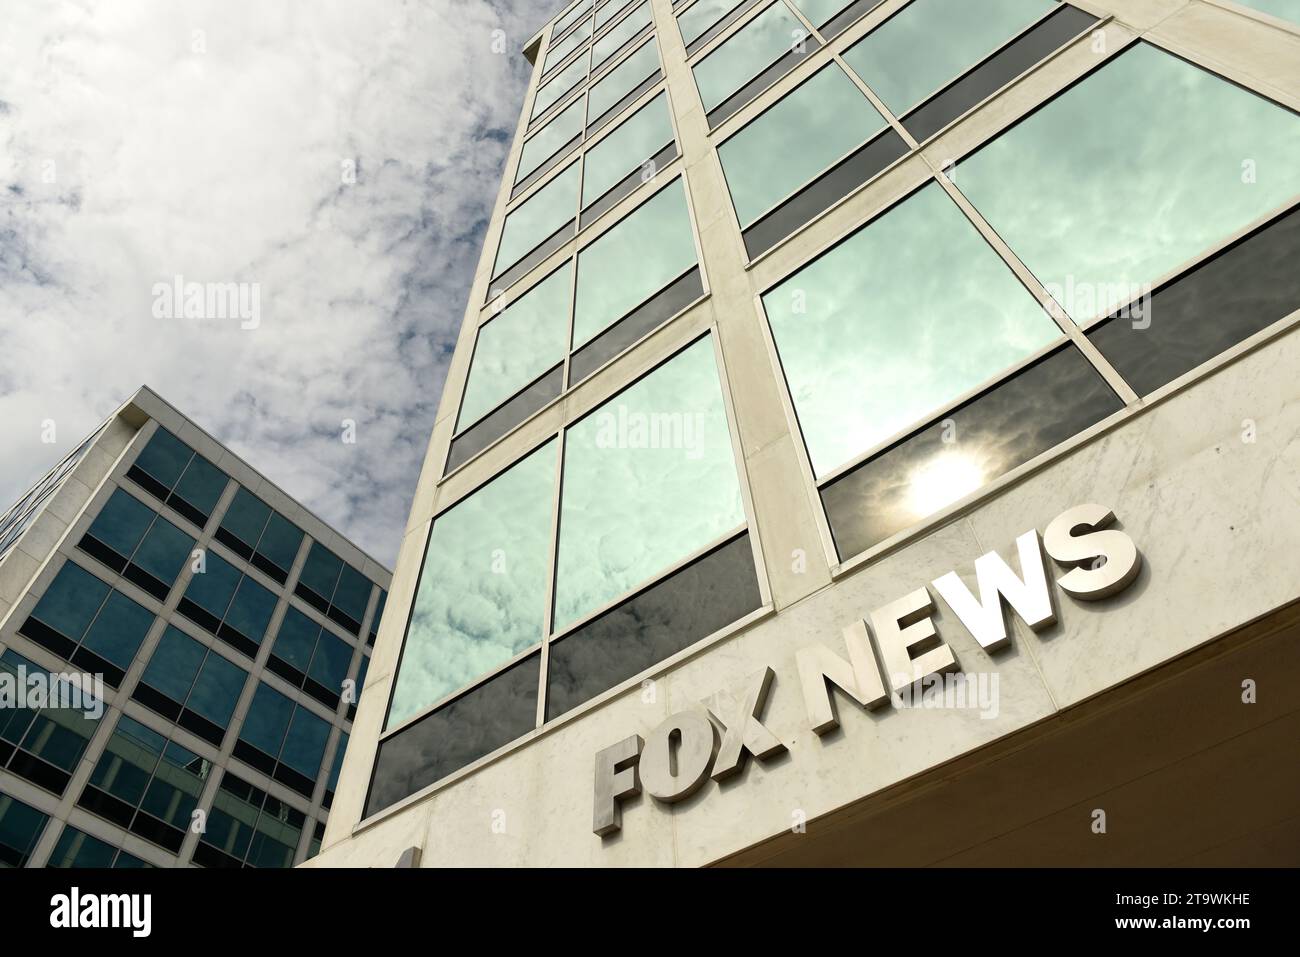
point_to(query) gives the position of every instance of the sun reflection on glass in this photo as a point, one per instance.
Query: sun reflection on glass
(942, 481)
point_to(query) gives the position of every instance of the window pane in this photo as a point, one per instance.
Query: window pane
(930, 42)
(250, 611)
(565, 21)
(622, 80)
(217, 690)
(481, 597)
(701, 15)
(118, 631)
(638, 257)
(896, 321)
(1282, 9)
(827, 116)
(267, 721)
(623, 32)
(128, 761)
(20, 829)
(329, 666)
(164, 551)
(550, 138)
(608, 11)
(352, 594)
(173, 793)
(122, 522)
(649, 478)
(174, 664)
(202, 484)
(515, 347)
(333, 782)
(320, 573)
(566, 46)
(628, 146)
(246, 517)
(305, 744)
(211, 589)
(541, 215)
(744, 55)
(280, 541)
(296, 640)
(165, 457)
(1096, 224)
(71, 601)
(77, 849)
(558, 85)
(819, 12)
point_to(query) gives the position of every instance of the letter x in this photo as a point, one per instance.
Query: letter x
(742, 730)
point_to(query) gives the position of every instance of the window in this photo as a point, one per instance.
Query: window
(249, 828)
(567, 45)
(334, 588)
(84, 621)
(1282, 9)
(705, 19)
(831, 17)
(377, 617)
(260, 535)
(78, 849)
(652, 556)
(311, 657)
(1097, 228)
(283, 740)
(764, 49)
(191, 685)
(22, 513)
(565, 130)
(621, 161)
(359, 684)
(622, 85)
(43, 745)
(146, 784)
(20, 828)
(317, 836)
(621, 34)
(609, 10)
(537, 227)
(174, 473)
(229, 604)
(570, 18)
(482, 592)
(558, 86)
(332, 783)
(137, 543)
(776, 189)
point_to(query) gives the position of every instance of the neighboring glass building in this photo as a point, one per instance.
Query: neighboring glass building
(792, 308)
(230, 631)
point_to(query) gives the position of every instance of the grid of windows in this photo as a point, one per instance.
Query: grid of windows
(43, 741)
(174, 473)
(334, 588)
(283, 740)
(309, 656)
(89, 623)
(137, 543)
(192, 685)
(653, 465)
(249, 828)
(260, 535)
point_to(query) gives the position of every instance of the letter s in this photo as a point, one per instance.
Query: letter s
(1091, 583)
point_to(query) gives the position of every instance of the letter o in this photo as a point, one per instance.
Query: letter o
(673, 774)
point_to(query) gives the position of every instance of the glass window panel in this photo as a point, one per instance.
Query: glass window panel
(296, 640)
(482, 594)
(333, 782)
(211, 589)
(202, 484)
(122, 522)
(78, 849)
(649, 478)
(896, 321)
(541, 215)
(567, 20)
(547, 141)
(622, 32)
(609, 10)
(280, 541)
(321, 571)
(20, 829)
(352, 594)
(329, 666)
(216, 690)
(629, 263)
(267, 721)
(515, 347)
(174, 664)
(173, 793)
(246, 517)
(304, 746)
(699, 16)
(819, 12)
(164, 551)
(1096, 225)
(930, 42)
(622, 80)
(60, 736)
(744, 55)
(250, 611)
(1282, 9)
(118, 631)
(567, 46)
(71, 600)
(827, 117)
(128, 761)
(165, 457)
(626, 148)
(558, 85)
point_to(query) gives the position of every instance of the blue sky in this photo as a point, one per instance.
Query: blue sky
(214, 139)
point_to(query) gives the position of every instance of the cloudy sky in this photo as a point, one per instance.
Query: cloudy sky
(215, 140)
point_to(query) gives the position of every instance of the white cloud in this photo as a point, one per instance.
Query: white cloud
(148, 138)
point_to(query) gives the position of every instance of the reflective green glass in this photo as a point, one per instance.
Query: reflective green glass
(622, 80)
(546, 141)
(649, 478)
(538, 217)
(931, 42)
(481, 597)
(514, 348)
(329, 665)
(567, 46)
(896, 321)
(1201, 159)
(339, 751)
(625, 148)
(122, 522)
(608, 11)
(173, 793)
(622, 32)
(820, 11)
(699, 16)
(558, 85)
(128, 761)
(352, 594)
(77, 849)
(20, 828)
(1282, 9)
(638, 257)
(795, 140)
(565, 21)
(745, 54)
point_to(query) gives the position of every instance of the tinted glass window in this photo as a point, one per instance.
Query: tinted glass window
(558, 85)
(701, 15)
(71, 600)
(548, 140)
(626, 148)
(622, 33)
(246, 517)
(122, 522)
(541, 215)
(744, 55)
(622, 80)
